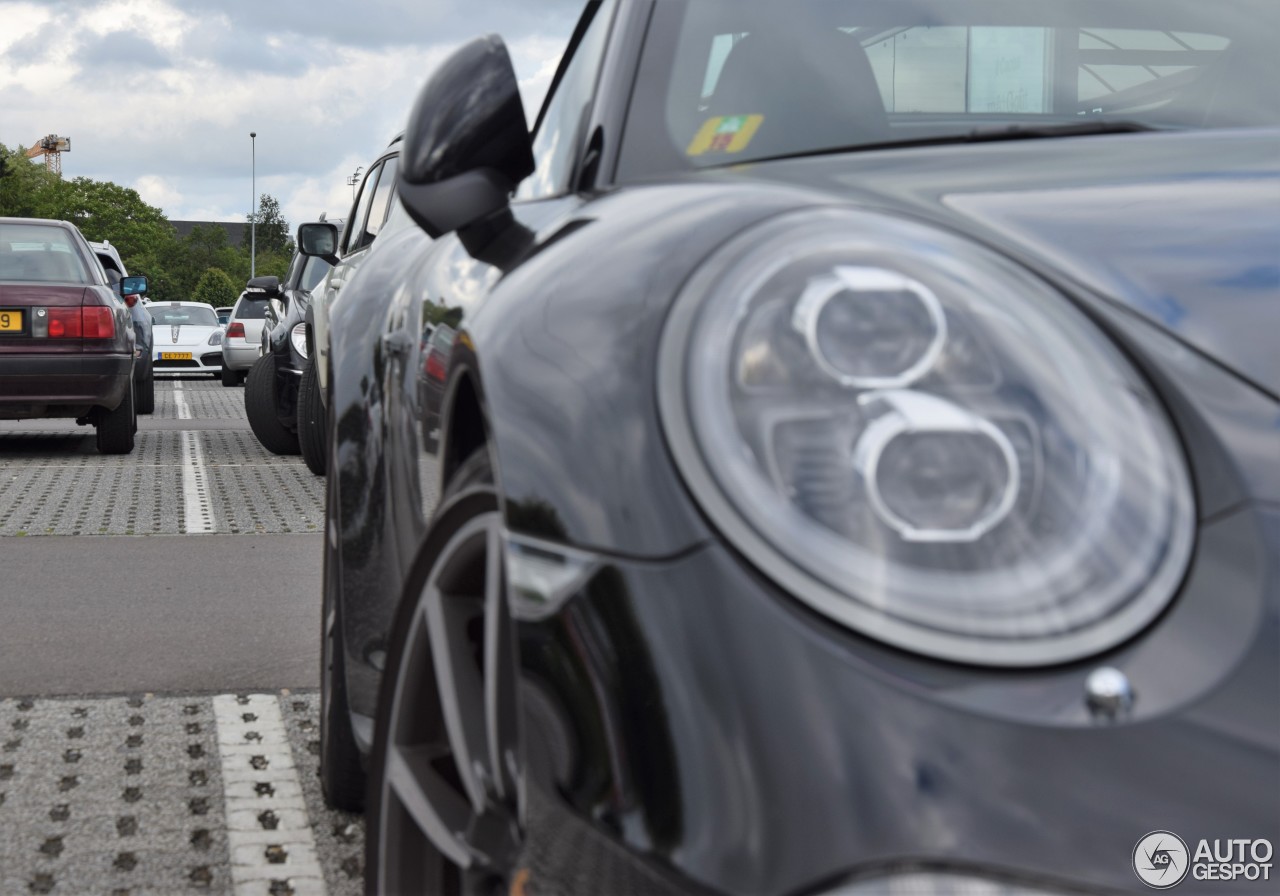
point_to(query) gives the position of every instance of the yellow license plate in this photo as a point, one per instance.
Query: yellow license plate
(175, 356)
(10, 321)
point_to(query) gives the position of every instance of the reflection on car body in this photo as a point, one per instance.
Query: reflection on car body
(859, 409)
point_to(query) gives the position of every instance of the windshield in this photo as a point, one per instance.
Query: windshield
(39, 253)
(316, 270)
(251, 309)
(747, 79)
(180, 315)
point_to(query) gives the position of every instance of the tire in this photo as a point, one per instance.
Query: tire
(146, 396)
(260, 408)
(442, 623)
(115, 428)
(230, 377)
(311, 421)
(342, 777)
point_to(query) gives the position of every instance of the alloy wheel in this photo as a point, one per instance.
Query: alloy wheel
(449, 799)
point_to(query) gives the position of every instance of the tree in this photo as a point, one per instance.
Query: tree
(26, 187)
(272, 234)
(217, 288)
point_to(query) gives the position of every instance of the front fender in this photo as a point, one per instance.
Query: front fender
(565, 351)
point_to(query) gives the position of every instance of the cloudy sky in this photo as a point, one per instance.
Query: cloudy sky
(161, 95)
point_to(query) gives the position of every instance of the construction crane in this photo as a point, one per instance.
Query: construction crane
(51, 147)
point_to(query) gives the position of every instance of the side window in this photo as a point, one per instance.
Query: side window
(381, 200)
(555, 146)
(360, 213)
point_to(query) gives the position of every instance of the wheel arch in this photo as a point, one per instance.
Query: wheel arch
(466, 427)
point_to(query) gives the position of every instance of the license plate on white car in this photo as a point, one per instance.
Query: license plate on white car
(175, 356)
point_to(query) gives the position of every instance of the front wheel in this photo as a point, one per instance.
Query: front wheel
(260, 404)
(311, 428)
(445, 805)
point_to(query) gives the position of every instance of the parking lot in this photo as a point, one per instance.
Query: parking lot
(158, 712)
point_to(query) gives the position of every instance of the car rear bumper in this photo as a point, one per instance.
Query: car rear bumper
(240, 357)
(33, 386)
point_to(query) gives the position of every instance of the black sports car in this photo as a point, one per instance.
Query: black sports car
(857, 467)
(281, 397)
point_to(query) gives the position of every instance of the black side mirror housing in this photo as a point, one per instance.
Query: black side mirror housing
(135, 286)
(320, 240)
(468, 144)
(268, 287)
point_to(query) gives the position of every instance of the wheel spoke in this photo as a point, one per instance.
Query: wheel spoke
(499, 669)
(432, 803)
(460, 688)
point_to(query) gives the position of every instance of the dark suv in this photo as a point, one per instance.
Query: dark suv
(281, 389)
(66, 340)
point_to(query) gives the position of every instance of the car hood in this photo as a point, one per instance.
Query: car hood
(1181, 228)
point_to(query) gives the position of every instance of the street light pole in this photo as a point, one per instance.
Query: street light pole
(253, 220)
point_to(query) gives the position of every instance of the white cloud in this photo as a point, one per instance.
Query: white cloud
(175, 123)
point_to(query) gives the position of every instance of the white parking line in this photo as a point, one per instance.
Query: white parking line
(195, 492)
(268, 832)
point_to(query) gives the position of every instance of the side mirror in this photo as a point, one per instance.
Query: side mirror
(319, 240)
(263, 287)
(467, 144)
(133, 286)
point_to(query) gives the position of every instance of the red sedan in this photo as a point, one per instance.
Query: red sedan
(66, 340)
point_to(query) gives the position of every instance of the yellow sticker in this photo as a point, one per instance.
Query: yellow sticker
(728, 133)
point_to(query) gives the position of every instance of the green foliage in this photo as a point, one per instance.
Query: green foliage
(217, 288)
(147, 242)
(272, 232)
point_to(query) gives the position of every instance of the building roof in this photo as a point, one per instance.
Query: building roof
(236, 230)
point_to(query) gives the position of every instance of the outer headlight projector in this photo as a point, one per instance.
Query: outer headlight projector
(924, 441)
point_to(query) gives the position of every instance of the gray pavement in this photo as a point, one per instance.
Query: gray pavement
(134, 589)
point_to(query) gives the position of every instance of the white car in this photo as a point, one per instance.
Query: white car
(186, 338)
(242, 344)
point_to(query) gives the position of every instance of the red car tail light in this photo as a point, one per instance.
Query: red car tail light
(99, 322)
(435, 367)
(90, 322)
(236, 331)
(65, 323)
(131, 299)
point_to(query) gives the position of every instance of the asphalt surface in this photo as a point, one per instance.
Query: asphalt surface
(159, 661)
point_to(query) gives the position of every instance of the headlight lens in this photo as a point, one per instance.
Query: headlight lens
(924, 441)
(941, 883)
(298, 337)
(215, 338)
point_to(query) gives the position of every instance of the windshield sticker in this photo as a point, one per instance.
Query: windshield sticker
(727, 133)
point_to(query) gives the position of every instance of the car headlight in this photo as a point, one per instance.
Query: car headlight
(924, 441)
(216, 338)
(298, 337)
(943, 883)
